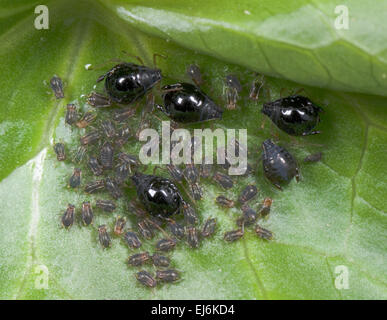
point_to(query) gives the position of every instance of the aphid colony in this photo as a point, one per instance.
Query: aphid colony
(163, 205)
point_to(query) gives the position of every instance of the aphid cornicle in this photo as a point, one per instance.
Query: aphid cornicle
(105, 205)
(279, 166)
(104, 237)
(87, 213)
(138, 259)
(119, 226)
(68, 216)
(132, 240)
(57, 86)
(146, 279)
(128, 82)
(296, 115)
(75, 179)
(170, 275)
(71, 114)
(160, 196)
(186, 103)
(160, 261)
(60, 152)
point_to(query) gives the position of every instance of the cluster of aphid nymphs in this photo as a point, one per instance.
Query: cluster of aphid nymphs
(164, 210)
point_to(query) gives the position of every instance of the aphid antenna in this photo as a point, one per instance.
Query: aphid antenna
(103, 64)
(134, 56)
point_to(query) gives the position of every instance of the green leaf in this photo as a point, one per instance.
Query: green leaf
(334, 217)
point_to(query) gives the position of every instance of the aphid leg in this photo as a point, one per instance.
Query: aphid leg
(158, 227)
(133, 56)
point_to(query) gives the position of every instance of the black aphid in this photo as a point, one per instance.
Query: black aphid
(68, 216)
(94, 166)
(248, 193)
(159, 195)
(170, 275)
(87, 214)
(71, 114)
(106, 205)
(190, 215)
(57, 86)
(315, 157)
(128, 82)
(233, 235)
(160, 261)
(146, 279)
(265, 209)
(86, 119)
(205, 169)
(138, 259)
(166, 244)
(94, 186)
(134, 207)
(122, 137)
(224, 202)
(296, 115)
(192, 237)
(103, 235)
(60, 151)
(132, 240)
(90, 138)
(209, 228)
(98, 100)
(176, 229)
(279, 166)
(128, 159)
(119, 226)
(108, 128)
(256, 88)
(263, 233)
(223, 180)
(113, 188)
(106, 155)
(186, 103)
(194, 73)
(249, 216)
(75, 179)
(145, 229)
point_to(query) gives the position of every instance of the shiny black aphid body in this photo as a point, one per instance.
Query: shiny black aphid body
(159, 195)
(279, 166)
(296, 115)
(186, 103)
(128, 82)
